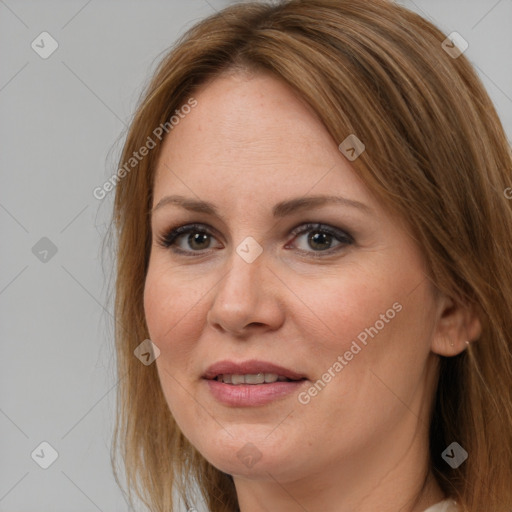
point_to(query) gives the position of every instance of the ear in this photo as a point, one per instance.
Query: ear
(457, 325)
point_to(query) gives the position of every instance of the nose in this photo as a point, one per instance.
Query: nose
(247, 298)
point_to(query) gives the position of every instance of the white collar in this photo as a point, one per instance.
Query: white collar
(443, 506)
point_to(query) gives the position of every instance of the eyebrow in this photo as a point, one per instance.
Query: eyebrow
(280, 210)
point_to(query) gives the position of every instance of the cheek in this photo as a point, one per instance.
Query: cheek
(172, 327)
(369, 346)
(378, 322)
(172, 310)
(156, 301)
(341, 308)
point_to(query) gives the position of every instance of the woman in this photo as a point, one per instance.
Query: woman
(315, 237)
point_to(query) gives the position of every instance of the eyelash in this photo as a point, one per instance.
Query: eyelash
(168, 239)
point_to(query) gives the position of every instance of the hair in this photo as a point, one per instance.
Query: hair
(436, 154)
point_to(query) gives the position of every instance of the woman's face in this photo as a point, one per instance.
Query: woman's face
(345, 306)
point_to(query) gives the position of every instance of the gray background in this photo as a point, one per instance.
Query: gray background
(61, 126)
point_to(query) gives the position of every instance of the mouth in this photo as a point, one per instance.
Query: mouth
(253, 379)
(251, 383)
(251, 372)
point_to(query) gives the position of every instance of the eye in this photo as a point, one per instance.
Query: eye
(198, 238)
(320, 238)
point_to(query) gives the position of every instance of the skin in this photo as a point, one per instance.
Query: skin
(361, 443)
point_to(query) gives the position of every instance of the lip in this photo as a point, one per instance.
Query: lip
(249, 367)
(251, 395)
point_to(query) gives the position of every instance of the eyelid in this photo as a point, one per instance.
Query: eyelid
(311, 226)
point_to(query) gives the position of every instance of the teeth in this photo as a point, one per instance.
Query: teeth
(237, 379)
(258, 378)
(253, 379)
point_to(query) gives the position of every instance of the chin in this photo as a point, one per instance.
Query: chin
(261, 460)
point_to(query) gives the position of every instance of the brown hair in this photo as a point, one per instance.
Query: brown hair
(436, 153)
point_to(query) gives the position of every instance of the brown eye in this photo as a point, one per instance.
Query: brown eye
(320, 238)
(198, 239)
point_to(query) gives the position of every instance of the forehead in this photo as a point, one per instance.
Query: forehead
(252, 135)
